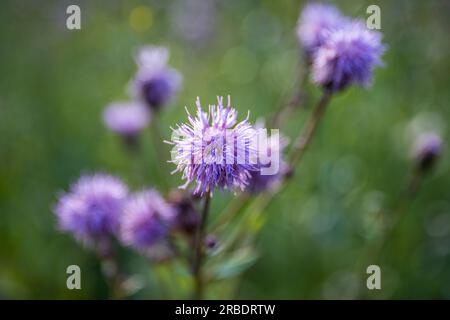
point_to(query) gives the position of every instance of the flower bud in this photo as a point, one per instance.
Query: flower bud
(427, 149)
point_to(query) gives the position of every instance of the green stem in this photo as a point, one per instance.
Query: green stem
(198, 257)
(298, 150)
(297, 98)
(231, 211)
(160, 149)
(374, 253)
(303, 140)
(399, 210)
(110, 270)
(280, 116)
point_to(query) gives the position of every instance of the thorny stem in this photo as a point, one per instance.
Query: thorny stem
(198, 257)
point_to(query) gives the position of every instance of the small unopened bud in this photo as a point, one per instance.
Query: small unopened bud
(289, 172)
(187, 219)
(427, 149)
(211, 242)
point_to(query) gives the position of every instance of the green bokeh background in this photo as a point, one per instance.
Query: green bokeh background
(54, 84)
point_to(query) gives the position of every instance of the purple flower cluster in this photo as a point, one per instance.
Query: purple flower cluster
(92, 208)
(348, 56)
(99, 207)
(155, 83)
(214, 150)
(342, 50)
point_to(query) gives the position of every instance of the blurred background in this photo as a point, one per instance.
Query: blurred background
(313, 244)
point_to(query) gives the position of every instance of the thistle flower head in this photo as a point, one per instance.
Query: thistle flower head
(348, 56)
(126, 118)
(155, 83)
(315, 24)
(92, 208)
(214, 150)
(146, 220)
(427, 149)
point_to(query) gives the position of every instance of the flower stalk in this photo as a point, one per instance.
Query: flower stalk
(296, 100)
(303, 140)
(111, 272)
(198, 250)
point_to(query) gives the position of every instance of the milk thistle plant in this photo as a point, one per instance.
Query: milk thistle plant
(215, 150)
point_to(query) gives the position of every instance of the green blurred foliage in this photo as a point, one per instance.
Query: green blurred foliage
(314, 243)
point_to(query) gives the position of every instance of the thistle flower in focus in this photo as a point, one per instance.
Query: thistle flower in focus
(347, 57)
(315, 24)
(155, 83)
(214, 150)
(92, 209)
(273, 152)
(147, 219)
(126, 118)
(427, 149)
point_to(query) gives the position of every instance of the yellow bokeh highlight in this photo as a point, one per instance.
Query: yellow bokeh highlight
(141, 18)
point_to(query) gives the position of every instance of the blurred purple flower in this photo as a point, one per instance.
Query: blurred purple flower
(315, 24)
(219, 153)
(126, 118)
(155, 83)
(347, 56)
(260, 182)
(427, 149)
(92, 208)
(147, 219)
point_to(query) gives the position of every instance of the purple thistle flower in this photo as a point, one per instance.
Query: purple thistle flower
(260, 182)
(146, 220)
(214, 150)
(126, 118)
(428, 148)
(155, 83)
(347, 56)
(315, 24)
(92, 208)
